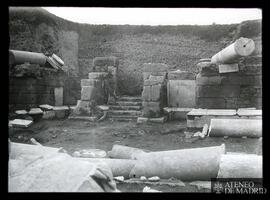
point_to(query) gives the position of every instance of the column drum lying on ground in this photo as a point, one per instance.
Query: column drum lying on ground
(119, 167)
(21, 57)
(240, 166)
(241, 47)
(235, 127)
(124, 152)
(185, 164)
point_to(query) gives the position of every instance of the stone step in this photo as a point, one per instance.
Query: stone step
(125, 107)
(130, 98)
(124, 113)
(123, 118)
(127, 103)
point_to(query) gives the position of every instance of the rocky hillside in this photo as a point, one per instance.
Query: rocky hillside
(180, 47)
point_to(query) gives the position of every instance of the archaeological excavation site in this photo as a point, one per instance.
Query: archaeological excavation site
(132, 108)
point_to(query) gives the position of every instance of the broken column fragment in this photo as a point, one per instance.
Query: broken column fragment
(184, 164)
(241, 47)
(235, 127)
(21, 57)
(240, 166)
(124, 152)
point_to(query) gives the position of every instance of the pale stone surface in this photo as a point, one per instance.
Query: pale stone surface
(35, 111)
(152, 93)
(46, 107)
(58, 96)
(87, 93)
(142, 120)
(181, 93)
(83, 107)
(21, 112)
(249, 112)
(97, 75)
(157, 120)
(103, 107)
(91, 82)
(20, 123)
(227, 68)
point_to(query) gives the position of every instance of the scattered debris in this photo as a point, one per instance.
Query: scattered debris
(20, 123)
(90, 153)
(103, 107)
(197, 134)
(35, 142)
(148, 189)
(119, 178)
(143, 178)
(154, 179)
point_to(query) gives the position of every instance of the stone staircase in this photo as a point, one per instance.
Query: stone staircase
(126, 108)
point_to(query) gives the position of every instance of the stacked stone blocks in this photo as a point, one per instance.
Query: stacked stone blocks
(230, 90)
(154, 95)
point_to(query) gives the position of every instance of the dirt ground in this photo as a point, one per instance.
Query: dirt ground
(75, 135)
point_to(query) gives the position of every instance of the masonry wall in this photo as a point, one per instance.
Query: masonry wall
(180, 47)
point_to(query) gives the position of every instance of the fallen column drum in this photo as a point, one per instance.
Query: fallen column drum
(240, 166)
(124, 152)
(21, 57)
(185, 164)
(119, 167)
(235, 127)
(241, 47)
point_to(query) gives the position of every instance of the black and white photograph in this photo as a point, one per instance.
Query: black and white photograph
(135, 100)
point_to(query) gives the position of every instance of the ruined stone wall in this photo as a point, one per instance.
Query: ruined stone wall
(180, 47)
(31, 90)
(240, 89)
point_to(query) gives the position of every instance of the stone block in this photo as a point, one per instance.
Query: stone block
(20, 123)
(35, 111)
(61, 111)
(177, 113)
(208, 102)
(227, 68)
(211, 80)
(88, 93)
(100, 68)
(218, 91)
(154, 80)
(82, 108)
(105, 61)
(151, 109)
(208, 69)
(181, 93)
(146, 75)
(180, 75)
(141, 120)
(160, 120)
(46, 107)
(152, 93)
(50, 114)
(97, 75)
(58, 96)
(21, 112)
(91, 82)
(155, 67)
